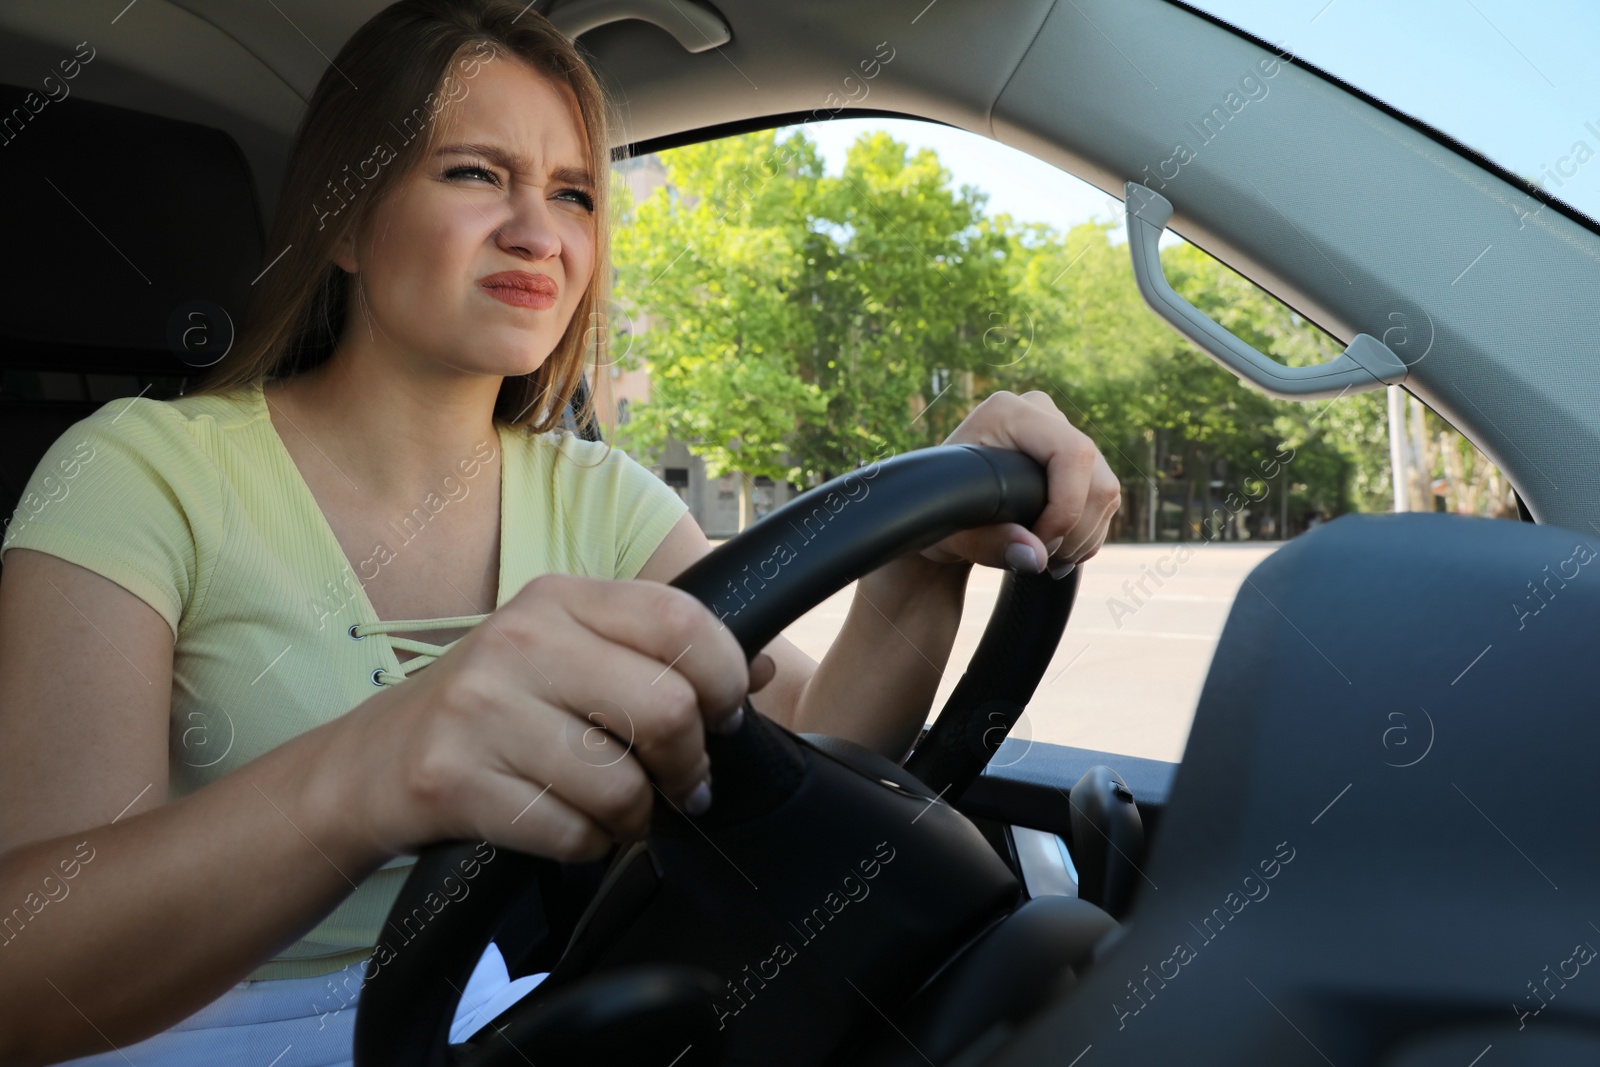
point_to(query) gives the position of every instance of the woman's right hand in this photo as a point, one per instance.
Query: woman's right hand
(548, 728)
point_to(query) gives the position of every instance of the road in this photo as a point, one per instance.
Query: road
(1127, 674)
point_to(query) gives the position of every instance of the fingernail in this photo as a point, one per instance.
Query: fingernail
(1023, 559)
(1050, 549)
(1062, 569)
(764, 665)
(699, 800)
(731, 724)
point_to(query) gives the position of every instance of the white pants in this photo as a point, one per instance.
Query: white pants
(300, 1022)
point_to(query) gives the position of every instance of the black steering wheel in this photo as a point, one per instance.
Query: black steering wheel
(826, 884)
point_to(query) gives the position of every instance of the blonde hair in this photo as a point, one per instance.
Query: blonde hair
(389, 83)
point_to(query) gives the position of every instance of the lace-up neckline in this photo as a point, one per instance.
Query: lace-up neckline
(426, 651)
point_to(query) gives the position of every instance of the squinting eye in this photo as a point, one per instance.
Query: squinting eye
(583, 198)
(453, 171)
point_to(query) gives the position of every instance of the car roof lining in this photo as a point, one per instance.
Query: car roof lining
(1415, 123)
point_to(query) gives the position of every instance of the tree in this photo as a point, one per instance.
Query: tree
(714, 267)
(901, 277)
(802, 325)
(799, 320)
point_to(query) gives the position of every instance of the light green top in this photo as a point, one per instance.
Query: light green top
(195, 506)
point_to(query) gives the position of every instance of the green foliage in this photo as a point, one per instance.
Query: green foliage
(1123, 376)
(800, 315)
(716, 276)
(800, 325)
(897, 276)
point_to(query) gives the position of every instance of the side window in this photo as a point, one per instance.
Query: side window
(804, 299)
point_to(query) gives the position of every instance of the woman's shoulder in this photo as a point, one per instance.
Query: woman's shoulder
(150, 440)
(136, 414)
(615, 511)
(589, 472)
(237, 407)
(566, 445)
(134, 492)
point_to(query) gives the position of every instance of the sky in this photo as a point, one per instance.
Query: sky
(1513, 79)
(1029, 189)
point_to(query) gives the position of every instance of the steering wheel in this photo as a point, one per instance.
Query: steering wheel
(825, 885)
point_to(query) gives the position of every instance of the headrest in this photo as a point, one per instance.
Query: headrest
(116, 221)
(1390, 775)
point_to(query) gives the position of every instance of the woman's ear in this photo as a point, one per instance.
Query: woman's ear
(344, 255)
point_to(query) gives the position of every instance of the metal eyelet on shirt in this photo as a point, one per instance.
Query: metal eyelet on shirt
(353, 635)
(375, 676)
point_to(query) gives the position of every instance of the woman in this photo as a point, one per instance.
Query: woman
(226, 573)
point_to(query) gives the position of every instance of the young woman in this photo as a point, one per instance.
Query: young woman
(212, 781)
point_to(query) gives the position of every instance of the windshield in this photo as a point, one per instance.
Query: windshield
(1514, 80)
(754, 294)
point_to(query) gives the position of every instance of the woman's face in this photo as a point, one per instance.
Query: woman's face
(508, 198)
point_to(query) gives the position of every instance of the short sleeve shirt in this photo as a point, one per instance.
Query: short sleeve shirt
(195, 506)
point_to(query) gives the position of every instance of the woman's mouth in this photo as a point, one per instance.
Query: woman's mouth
(520, 288)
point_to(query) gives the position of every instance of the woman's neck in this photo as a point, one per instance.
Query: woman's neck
(391, 436)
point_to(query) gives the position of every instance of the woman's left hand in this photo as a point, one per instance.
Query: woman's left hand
(1081, 496)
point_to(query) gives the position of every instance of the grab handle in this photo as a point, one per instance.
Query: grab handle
(695, 26)
(1367, 364)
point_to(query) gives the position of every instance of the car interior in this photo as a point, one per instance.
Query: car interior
(1059, 894)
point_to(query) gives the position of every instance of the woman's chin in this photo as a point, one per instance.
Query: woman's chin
(512, 365)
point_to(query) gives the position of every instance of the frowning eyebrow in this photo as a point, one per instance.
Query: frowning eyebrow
(578, 176)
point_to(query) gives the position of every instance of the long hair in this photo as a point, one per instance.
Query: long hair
(378, 112)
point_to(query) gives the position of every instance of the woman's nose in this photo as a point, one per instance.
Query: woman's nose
(531, 231)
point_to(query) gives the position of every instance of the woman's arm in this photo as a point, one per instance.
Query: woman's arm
(119, 924)
(121, 914)
(876, 684)
(115, 933)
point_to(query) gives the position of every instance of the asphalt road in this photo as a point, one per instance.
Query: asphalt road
(1124, 679)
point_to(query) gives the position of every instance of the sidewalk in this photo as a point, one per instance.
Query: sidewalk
(1130, 666)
